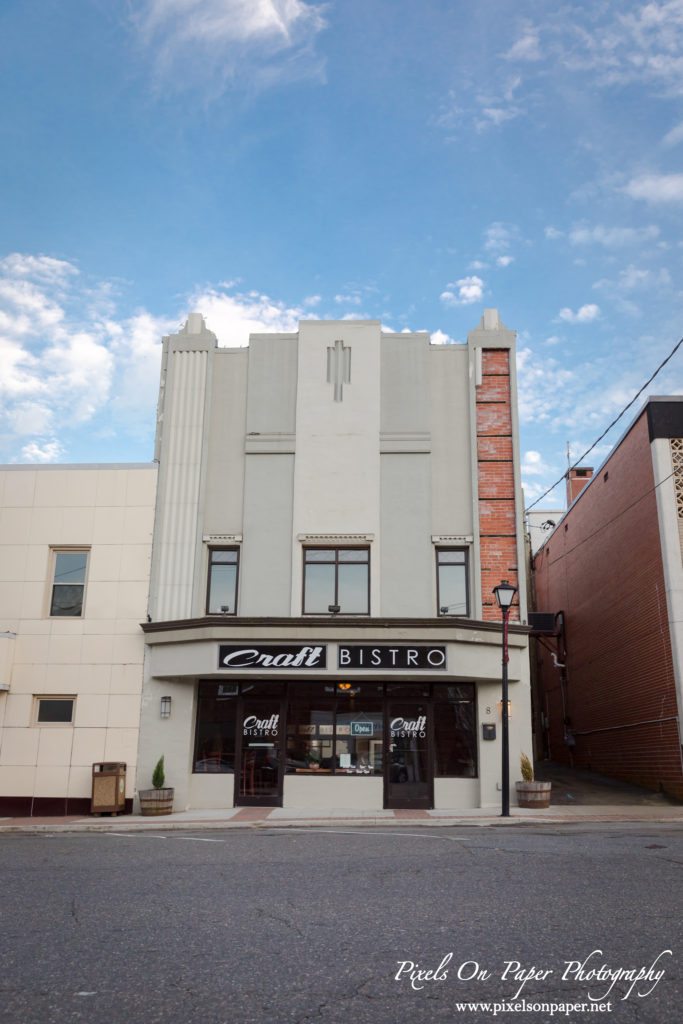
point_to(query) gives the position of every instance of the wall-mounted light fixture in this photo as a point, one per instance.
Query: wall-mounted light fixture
(165, 707)
(500, 707)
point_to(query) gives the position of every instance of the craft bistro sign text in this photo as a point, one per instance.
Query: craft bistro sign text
(307, 656)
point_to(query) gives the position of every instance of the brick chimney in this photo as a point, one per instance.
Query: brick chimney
(577, 478)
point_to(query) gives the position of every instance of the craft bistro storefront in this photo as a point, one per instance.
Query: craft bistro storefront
(315, 722)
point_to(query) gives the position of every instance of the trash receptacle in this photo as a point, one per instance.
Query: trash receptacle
(108, 788)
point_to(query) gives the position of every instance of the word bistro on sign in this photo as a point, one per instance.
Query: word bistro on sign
(385, 656)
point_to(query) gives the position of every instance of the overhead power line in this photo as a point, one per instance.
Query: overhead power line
(638, 393)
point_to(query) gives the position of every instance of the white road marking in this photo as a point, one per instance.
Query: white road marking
(198, 839)
(133, 835)
(352, 832)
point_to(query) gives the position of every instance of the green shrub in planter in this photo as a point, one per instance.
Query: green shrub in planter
(160, 799)
(158, 775)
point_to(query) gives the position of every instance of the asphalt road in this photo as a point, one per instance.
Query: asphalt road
(287, 927)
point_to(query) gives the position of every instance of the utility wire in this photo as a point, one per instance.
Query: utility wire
(603, 526)
(605, 432)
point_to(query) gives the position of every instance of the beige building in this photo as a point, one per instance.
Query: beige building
(75, 547)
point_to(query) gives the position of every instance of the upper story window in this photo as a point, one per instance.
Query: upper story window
(452, 581)
(222, 588)
(337, 580)
(68, 583)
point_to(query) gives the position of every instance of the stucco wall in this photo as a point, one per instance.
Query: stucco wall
(96, 658)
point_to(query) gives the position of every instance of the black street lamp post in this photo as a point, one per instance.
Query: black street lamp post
(505, 593)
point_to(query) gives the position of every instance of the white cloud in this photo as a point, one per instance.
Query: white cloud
(498, 239)
(69, 361)
(634, 277)
(50, 451)
(208, 42)
(656, 188)
(440, 338)
(551, 232)
(543, 385)
(469, 290)
(233, 317)
(47, 268)
(348, 300)
(674, 136)
(526, 48)
(567, 50)
(496, 115)
(585, 315)
(532, 463)
(612, 238)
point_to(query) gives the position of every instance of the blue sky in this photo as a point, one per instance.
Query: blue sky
(263, 161)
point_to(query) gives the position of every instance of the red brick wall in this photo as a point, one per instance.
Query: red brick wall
(603, 567)
(496, 479)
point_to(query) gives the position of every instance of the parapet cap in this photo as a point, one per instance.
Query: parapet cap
(491, 321)
(491, 332)
(194, 325)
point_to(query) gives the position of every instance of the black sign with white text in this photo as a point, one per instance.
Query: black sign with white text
(272, 656)
(367, 656)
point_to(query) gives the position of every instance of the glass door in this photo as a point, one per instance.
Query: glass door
(407, 762)
(258, 779)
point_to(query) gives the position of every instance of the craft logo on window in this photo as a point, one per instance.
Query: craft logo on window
(362, 728)
(410, 727)
(253, 726)
(382, 657)
(271, 656)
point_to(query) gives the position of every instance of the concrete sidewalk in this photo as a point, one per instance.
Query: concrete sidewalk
(577, 797)
(260, 818)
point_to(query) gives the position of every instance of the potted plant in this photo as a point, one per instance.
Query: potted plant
(160, 799)
(312, 759)
(531, 793)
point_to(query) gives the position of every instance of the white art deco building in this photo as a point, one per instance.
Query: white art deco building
(334, 508)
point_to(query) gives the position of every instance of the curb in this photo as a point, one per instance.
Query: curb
(122, 825)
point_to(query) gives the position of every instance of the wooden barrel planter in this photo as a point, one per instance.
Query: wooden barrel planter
(533, 794)
(156, 801)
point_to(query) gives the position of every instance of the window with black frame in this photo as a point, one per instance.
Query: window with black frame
(337, 580)
(452, 581)
(335, 729)
(455, 730)
(222, 581)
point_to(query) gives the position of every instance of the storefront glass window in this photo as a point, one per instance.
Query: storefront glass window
(335, 729)
(215, 735)
(310, 736)
(455, 731)
(359, 728)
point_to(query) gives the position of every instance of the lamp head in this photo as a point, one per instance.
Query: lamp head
(505, 593)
